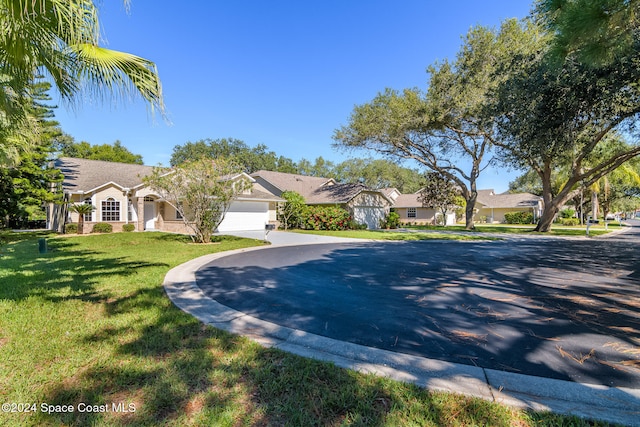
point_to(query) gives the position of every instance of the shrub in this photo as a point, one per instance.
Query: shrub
(518, 217)
(327, 218)
(567, 213)
(71, 228)
(391, 221)
(569, 221)
(128, 227)
(102, 227)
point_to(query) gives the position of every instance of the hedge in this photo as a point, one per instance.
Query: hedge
(71, 228)
(569, 221)
(328, 218)
(102, 227)
(518, 218)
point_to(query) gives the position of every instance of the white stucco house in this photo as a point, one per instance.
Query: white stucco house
(119, 196)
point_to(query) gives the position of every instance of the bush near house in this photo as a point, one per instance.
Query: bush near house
(518, 218)
(569, 221)
(128, 227)
(330, 218)
(391, 221)
(567, 213)
(71, 228)
(102, 227)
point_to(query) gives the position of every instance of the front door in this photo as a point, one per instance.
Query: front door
(149, 215)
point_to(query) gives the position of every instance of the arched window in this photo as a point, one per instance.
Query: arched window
(110, 210)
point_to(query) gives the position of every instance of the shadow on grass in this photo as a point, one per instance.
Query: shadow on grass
(152, 364)
(175, 370)
(61, 273)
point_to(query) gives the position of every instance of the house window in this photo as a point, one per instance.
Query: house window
(110, 210)
(412, 212)
(178, 214)
(87, 216)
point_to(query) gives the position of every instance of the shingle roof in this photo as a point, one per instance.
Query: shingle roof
(82, 175)
(338, 193)
(507, 200)
(261, 196)
(315, 190)
(408, 201)
(301, 184)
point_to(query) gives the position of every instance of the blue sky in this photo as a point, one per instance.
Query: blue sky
(281, 73)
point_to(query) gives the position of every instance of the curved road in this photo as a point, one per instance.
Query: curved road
(558, 308)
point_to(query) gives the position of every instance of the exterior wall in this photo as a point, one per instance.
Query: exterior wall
(263, 185)
(368, 208)
(424, 216)
(366, 199)
(496, 215)
(97, 215)
(273, 212)
(176, 226)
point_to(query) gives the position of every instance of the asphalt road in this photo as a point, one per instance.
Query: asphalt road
(557, 308)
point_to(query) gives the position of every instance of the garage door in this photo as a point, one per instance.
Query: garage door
(245, 216)
(369, 215)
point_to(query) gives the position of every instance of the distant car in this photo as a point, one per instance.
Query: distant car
(612, 217)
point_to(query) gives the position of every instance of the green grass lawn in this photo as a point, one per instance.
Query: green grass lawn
(556, 230)
(397, 235)
(88, 323)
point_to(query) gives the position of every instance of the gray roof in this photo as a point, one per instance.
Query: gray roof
(258, 195)
(301, 184)
(336, 194)
(507, 200)
(408, 201)
(83, 175)
(315, 190)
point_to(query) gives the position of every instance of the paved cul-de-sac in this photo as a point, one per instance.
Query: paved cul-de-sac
(562, 308)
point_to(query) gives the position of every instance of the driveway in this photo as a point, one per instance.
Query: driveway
(557, 308)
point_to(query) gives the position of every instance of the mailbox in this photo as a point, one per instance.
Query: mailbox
(269, 227)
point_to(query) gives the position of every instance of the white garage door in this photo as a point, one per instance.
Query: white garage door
(369, 215)
(245, 216)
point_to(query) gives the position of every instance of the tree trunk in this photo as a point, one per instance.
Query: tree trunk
(80, 224)
(469, 209)
(552, 204)
(548, 214)
(595, 208)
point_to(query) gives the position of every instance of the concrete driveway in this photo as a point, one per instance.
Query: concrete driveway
(284, 238)
(544, 323)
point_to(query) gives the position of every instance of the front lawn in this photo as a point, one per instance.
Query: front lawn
(87, 333)
(556, 229)
(398, 235)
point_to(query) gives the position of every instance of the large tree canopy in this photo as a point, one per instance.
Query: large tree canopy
(250, 159)
(26, 187)
(116, 152)
(569, 111)
(596, 31)
(446, 130)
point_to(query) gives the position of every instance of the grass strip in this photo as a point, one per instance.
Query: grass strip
(399, 235)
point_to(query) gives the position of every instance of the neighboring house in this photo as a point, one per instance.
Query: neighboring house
(119, 196)
(365, 205)
(493, 206)
(411, 210)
